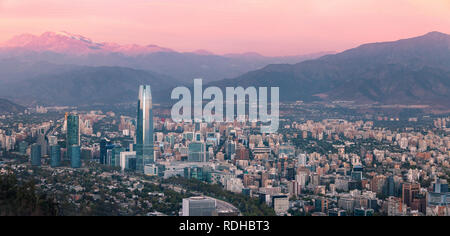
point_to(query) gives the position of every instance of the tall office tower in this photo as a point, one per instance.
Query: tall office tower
(103, 151)
(390, 186)
(144, 131)
(42, 141)
(230, 149)
(73, 132)
(36, 154)
(55, 155)
(23, 145)
(197, 152)
(75, 154)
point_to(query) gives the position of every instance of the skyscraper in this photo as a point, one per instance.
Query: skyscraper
(73, 132)
(41, 140)
(230, 149)
(36, 154)
(23, 145)
(103, 151)
(144, 132)
(75, 154)
(55, 155)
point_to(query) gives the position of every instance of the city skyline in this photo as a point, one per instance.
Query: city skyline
(103, 113)
(313, 166)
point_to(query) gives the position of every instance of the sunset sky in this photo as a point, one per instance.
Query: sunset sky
(270, 27)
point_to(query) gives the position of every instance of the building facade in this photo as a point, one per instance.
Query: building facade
(144, 132)
(75, 154)
(199, 206)
(55, 155)
(36, 154)
(73, 132)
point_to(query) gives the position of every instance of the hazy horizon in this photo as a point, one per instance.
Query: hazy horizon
(270, 28)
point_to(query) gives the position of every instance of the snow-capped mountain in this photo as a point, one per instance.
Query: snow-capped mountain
(67, 43)
(64, 48)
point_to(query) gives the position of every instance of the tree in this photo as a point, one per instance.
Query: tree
(22, 200)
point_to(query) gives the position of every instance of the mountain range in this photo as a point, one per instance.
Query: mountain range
(44, 70)
(81, 85)
(67, 48)
(7, 106)
(408, 71)
(67, 43)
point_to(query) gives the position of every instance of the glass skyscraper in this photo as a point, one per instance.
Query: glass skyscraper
(144, 132)
(75, 154)
(42, 141)
(55, 155)
(73, 132)
(103, 151)
(23, 145)
(36, 154)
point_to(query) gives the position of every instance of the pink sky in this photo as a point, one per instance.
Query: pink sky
(270, 27)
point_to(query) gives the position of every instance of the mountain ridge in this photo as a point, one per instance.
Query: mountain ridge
(417, 68)
(63, 42)
(83, 85)
(66, 48)
(6, 106)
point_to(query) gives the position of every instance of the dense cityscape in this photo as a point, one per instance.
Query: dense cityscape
(94, 162)
(237, 116)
